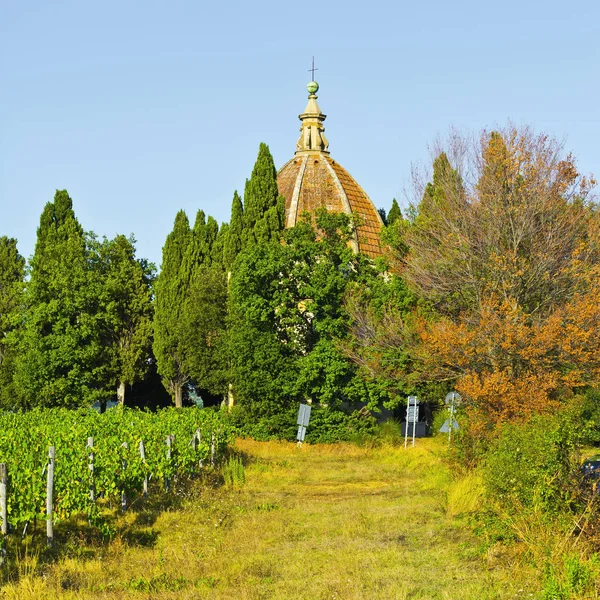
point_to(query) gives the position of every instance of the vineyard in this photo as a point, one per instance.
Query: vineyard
(110, 457)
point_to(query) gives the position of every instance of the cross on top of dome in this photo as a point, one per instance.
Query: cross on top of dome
(312, 131)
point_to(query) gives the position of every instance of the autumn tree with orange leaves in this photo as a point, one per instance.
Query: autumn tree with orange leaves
(504, 245)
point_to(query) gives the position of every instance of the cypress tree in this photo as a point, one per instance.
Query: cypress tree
(196, 250)
(264, 209)
(233, 241)
(394, 214)
(206, 310)
(260, 192)
(212, 232)
(12, 274)
(217, 252)
(205, 305)
(170, 321)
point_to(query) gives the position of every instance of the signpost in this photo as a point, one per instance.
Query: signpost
(303, 419)
(452, 400)
(412, 416)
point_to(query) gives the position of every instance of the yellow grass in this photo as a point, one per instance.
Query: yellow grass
(317, 522)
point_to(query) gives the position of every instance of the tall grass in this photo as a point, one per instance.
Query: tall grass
(233, 471)
(328, 521)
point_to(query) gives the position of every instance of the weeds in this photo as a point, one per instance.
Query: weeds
(233, 471)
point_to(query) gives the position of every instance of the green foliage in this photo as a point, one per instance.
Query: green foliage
(380, 341)
(574, 578)
(191, 302)
(12, 273)
(170, 319)
(218, 248)
(126, 308)
(62, 358)
(233, 471)
(25, 438)
(585, 409)
(286, 314)
(206, 307)
(276, 425)
(327, 425)
(264, 209)
(233, 240)
(394, 214)
(534, 464)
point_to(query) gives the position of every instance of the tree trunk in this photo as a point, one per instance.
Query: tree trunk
(178, 395)
(121, 393)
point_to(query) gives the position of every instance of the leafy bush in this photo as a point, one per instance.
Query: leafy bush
(571, 579)
(586, 409)
(535, 463)
(326, 426)
(277, 426)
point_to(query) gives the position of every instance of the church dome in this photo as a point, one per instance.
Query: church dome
(312, 179)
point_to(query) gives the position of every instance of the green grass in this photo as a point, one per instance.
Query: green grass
(317, 522)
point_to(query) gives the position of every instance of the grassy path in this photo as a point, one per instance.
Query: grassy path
(317, 523)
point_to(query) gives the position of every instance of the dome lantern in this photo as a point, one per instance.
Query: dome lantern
(313, 180)
(312, 130)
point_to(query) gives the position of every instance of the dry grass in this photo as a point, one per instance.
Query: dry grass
(317, 522)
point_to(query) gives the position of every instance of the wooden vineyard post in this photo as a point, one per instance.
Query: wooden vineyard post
(212, 450)
(195, 444)
(90, 445)
(124, 466)
(3, 497)
(169, 454)
(50, 497)
(143, 457)
(199, 437)
(3, 510)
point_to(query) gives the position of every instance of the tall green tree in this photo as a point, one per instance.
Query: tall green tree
(218, 248)
(212, 233)
(206, 311)
(394, 214)
(12, 274)
(233, 239)
(170, 320)
(264, 208)
(127, 311)
(286, 316)
(204, 307)
(62, 358)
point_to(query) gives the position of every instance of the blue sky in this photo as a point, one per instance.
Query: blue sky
(139, 109)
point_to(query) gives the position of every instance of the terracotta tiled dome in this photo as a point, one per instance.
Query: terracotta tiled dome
(312, 179)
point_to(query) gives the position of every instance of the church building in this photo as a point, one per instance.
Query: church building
(312, 179)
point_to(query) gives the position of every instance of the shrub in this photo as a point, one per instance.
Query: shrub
(326, 426)
(535, 463)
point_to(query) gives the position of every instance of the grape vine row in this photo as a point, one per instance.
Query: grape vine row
(118, 465)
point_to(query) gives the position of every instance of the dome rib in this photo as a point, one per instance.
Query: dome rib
(292, 214)
(344, 198)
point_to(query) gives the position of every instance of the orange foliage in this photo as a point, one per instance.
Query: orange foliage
(510, 262)
(509, 365)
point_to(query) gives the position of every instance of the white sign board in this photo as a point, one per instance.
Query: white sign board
(448, 425)
(304, 415)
